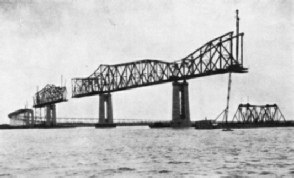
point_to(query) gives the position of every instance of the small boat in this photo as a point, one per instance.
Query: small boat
(205, 124)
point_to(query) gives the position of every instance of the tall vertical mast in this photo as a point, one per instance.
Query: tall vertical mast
(230, 74)
(228, 97)
(237, 31)
(61, 80)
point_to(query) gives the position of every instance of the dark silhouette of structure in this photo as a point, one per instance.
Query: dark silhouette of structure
(221, 55)
(247, 113)
(213, 58)
(22, 117)
(48, 97)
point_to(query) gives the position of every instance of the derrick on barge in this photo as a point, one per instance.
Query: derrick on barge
(250, 116)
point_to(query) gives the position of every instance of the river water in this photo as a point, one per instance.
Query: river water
(144, 152)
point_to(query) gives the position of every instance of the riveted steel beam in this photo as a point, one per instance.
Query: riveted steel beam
(213, 58)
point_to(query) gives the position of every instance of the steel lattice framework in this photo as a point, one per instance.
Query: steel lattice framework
(19, 114)
(247, 113)
(22, 117)
(50, 94)
(214, 57)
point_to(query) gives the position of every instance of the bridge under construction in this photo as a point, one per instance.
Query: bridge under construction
(220, 55)
(246, 116)
(47, 98)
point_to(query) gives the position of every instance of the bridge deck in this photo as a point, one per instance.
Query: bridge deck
(215, 57)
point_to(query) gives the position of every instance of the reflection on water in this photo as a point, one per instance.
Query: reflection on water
(143, 152)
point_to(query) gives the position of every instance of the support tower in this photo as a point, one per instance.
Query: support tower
(180, 105)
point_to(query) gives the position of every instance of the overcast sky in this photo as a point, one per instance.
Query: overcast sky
(42, 40)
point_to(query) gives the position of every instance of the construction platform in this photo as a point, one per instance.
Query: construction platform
(236, 125)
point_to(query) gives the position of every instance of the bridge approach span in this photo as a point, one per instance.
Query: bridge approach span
(48, 97)
(214, 57)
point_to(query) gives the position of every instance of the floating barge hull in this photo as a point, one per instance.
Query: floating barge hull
(101, 126)
(159, 125)
(210, 125)
(5, 126)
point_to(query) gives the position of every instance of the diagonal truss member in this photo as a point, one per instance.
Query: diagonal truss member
(214, 57)
(50, 94)
(247, 113)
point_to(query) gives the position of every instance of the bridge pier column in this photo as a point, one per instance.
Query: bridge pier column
(27, 118)
(51, 115)
(180, 106)
(53, 109)
(32, 118)
(48, 115)
(105, 109)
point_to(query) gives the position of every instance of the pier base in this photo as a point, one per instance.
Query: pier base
(53, 108)
(51, 115)
(48, 115)
(32, 118)
(180, 106)
(22, 117)
(105, 109)
(29, 118)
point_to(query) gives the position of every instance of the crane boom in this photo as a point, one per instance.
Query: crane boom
(228, 97)
(230, 74)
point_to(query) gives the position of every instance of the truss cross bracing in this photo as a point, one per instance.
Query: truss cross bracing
(214, 57)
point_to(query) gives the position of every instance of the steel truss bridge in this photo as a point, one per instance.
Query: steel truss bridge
(50, 94)
(22, 117)
(247, 113)
(214, 57)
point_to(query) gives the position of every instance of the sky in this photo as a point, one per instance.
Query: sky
(42, 40)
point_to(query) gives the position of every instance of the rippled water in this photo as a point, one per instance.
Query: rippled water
(144, 152)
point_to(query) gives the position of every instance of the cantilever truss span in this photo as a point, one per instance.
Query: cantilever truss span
(214, 57)
(247, 113)
(50, 94)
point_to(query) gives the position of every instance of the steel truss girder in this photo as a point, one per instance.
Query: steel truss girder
(20, 114)
(215, 57)
(50, 94)
(247, 113)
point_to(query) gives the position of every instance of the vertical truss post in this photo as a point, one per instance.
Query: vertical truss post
(237, 37)
(231, 48)
(258, 113)
(202, 62)
(242, 49)
(220, 55)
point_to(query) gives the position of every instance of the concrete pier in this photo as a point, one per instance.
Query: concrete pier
(180, 106)
(27, 118)
(51, 115)
(53, 108)
(32, 118)
(105, 109)
(48, 115)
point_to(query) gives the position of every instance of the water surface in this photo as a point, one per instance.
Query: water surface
(144, 152)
